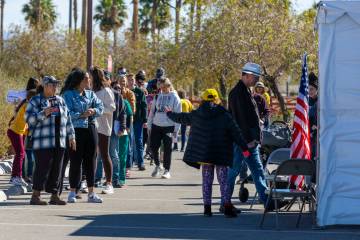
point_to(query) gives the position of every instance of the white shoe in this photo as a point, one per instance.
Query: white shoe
(156, 172)
(18, 181)
(108, 189)
(72, 197)
(166, 174)
(93, 198)
(83, 187)
(161, 168)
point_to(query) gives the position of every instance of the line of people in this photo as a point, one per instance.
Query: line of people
(97, 124)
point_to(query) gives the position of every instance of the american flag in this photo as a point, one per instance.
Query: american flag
(300, 147)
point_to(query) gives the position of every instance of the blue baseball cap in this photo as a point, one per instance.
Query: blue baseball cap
(49, 80)
(252, 68)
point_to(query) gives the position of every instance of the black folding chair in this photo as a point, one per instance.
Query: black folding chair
(288, 168)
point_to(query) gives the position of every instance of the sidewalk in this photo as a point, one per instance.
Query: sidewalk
(151, 209)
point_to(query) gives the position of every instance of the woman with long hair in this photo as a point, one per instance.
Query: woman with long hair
(84, 108)
(101, 87)
(49, 120)
(161, 127)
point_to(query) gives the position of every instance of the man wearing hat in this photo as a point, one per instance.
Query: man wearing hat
(244, 110)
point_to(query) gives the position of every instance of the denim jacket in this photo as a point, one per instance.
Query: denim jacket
(78, 104)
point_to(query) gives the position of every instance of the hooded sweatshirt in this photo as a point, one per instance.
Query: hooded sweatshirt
(157, 115)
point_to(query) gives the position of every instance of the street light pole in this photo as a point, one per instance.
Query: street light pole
(89, 41)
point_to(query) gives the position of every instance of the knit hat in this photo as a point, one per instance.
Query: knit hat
(140, 76)
(313, 80)
(210, 95)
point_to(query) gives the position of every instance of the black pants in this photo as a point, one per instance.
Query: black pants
(48, 165)
(158, 135)
(86, 145)
(104, 142)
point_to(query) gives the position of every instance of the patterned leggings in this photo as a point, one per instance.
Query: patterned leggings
(208, 178)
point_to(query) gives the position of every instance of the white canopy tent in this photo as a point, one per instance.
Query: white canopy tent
(339, 135)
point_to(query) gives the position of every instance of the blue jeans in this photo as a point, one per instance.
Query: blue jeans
(256, 168)
(114, 155)
(183, 136)
(138, 146)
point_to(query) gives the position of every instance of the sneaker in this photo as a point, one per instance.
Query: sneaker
(18, 181)
(83, 187)
(161, 168)
(142, 168)
(97, 183)
(72, 197)
(56, 200)
(108, 189)
(222, 209)
(117, 185)
(94, 198)
(78, 196)
(166, 174)
(156, 172)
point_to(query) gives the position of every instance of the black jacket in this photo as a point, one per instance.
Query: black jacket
(140, 114)
(212, 134)
(119, 114)
(243, 108)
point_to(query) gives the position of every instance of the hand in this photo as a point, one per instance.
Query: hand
(128, 130)
(145, 125)
(251, 144)
(120, 133)
(91, 111)
(72, 144)
(167, 109)
(48, 111)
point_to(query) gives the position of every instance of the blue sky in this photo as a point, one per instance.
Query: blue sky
(13, 13)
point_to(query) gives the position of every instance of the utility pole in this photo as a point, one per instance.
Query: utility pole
(89, 41)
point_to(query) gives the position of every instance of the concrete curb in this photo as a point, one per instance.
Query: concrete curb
(6, 166)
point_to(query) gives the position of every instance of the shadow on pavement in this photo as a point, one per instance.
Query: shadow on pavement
(196, 226)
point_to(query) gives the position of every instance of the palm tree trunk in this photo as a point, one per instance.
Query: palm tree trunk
(153, 20)
(115, 31)
(135, 20)
(177, 20)
(83, 17)
(192, 13)
(38, 13)
(198, 15)
(2, 3)
(75, 14)
(70, 15)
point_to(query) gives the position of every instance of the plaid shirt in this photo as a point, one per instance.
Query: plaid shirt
(42, 128)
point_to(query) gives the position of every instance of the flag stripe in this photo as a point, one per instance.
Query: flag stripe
(300, 147)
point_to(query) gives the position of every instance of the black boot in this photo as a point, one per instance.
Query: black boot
(230, 211)
(207, 211)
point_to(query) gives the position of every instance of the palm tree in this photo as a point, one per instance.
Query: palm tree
(177, 20)
(40, 14)
(83, 17)
(135, 19)
(75, 14)
(2, 5)
(111, 17)
(70, 15)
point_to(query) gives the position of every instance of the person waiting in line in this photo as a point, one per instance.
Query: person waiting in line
(212, 134)
(101, 87)
(161, 128)
(51, 126)
(18, 128)
(186, 107)
(313, 108)
(84, 107)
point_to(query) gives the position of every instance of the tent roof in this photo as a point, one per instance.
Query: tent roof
(330, 11)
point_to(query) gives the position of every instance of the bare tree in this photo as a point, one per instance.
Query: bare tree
(2, 5)
(177, 20)
(70, 15)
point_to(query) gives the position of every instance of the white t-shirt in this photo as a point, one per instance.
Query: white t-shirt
(105, 121)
